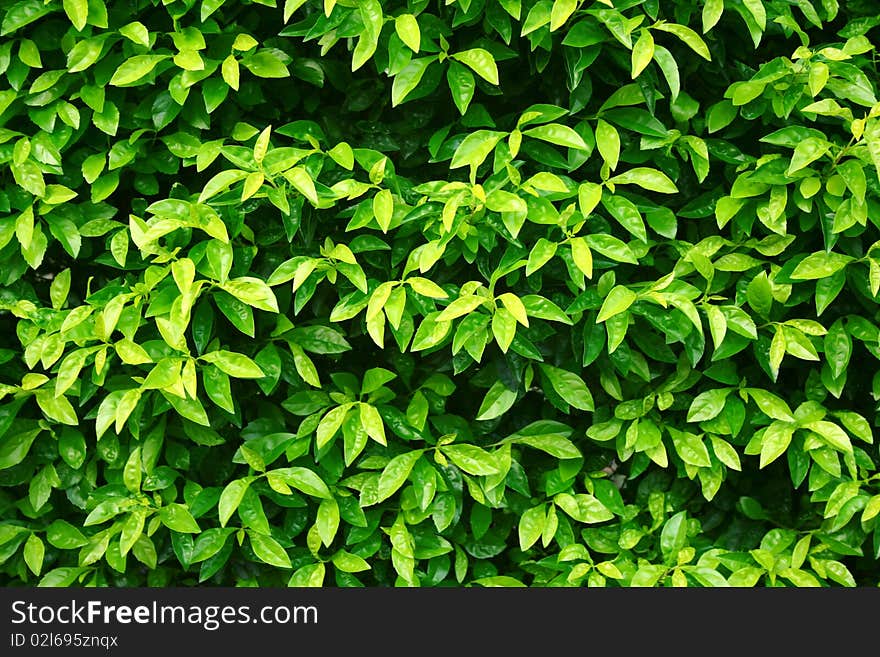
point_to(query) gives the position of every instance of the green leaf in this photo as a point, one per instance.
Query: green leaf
(775, 441)
(688, 36)
(712, 11)
(137, 32)
(375, 378)
(707, 405)
(619, 299)
(553, 444)
(383, 209)
(832, 435)
(230, 498)
(673, 537)
(503, 328)
(475, 148)
(178, 518)
(642, 53)
(431, 332)
(611, 247)
(498, 400)
(531, 526)
(77, 11)
(721, 115)
(395, 474)
(582, 256)
(756, 8)
(231, 72)
(252, 291)
(407, 28)
(806, 152)
(305, 480)
(561, 135)
(626, 214)
(800, 578)
(820, 265)
(408, 79)
(129, 352)
(135, 68)
(608, 143)
(669, 68)
(28, 176)
(266, 64)
(647, 178)
(583, 507)
(349, 563)
(771, 405)
(472, 459)
(14, 448)
(538, 306)
(34, 551)
(872, 509)
(426, 287)
(541, 253)
(589, 195)
(691, 449)
(59, 289)
(584, 33)
(482, 63)
(372, 423)
(760, 295)
(61, 577)
(191, 409)
(269, 550)
(560, 13)
(233, 364)
(514, 305)
(320, 339)
(21, 14)
(133, 471)
(64, 536)
(220, 182)
(569, 386)
(461, 85)
(327, 520)
(856, 425)
(209, 543)
(725, 453)
(330, 424)
(308, 575)
(303, 183)
(82, 56)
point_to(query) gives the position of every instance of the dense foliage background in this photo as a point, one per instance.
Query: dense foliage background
(490, 292)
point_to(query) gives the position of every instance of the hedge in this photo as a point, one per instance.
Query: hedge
(462, 293)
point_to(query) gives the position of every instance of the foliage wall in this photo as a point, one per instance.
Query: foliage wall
(423, 293)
